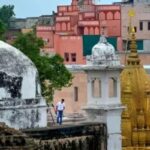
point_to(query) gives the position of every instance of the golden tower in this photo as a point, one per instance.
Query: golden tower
(135, 95)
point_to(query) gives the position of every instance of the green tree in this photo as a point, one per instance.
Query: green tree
(6, 13)
(2, 30)
(52, 72)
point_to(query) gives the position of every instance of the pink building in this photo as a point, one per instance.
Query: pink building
(74, 21)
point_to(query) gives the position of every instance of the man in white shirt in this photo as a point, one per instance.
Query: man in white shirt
(60, 106)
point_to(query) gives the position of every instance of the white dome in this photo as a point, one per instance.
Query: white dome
(103, 50)
(13, 61)
(21, 102)
(18, 75)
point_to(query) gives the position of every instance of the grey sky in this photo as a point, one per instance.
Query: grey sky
(33, 8)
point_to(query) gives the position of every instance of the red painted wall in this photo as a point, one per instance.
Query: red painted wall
(70, 45)
(72, 22)
(47, 34)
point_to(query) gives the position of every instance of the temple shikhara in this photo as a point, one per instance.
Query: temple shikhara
(135, 95)
(76, 23)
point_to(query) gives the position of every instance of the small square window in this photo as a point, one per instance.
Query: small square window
(75, 94)
(66, 57)
(135, 29)
(128, 29)
(73, 57)
(148, 25)
(141, 26)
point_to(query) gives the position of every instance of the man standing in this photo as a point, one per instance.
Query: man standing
(60, 106)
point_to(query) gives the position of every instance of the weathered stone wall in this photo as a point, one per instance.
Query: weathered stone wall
(30, 22)
(11, 139)
(77, 137)
(76, 143)
(87, 136)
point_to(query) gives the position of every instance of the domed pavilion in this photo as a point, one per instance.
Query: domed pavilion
(103, 53)
(103, 91)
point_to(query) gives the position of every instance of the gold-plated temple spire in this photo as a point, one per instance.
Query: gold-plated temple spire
(135, 94)
(133, 58)
(131, 14)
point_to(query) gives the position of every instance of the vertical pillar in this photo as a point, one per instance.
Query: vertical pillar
(105, 89)
(89, 90)
(114, 129)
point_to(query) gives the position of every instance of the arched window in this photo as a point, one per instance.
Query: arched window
(68, 26)
(64, 27)
(58, 27)
(102, 16)
(109, 15)
(86, 31)
(112, 83)
(96, 31)
(117, 15)
(96, 88)
(91, 30)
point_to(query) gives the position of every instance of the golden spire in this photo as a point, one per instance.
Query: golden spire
(135, 94)
(133, 58)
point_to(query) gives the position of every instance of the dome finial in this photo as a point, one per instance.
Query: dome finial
(102, 38)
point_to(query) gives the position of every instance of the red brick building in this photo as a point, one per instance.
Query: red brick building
(73, 22)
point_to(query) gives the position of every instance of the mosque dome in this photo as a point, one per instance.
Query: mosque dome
(18, 75)
(13, 61)
(103, 50)
(21, 102)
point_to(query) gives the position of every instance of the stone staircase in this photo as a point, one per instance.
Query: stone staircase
(74, 118)
(51, 116)
(67, 119)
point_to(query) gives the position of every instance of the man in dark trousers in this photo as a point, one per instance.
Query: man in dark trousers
(60, 106)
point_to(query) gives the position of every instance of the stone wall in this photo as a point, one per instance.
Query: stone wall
(76, 143)
(30, 22)
(86, 136)
(11, 139)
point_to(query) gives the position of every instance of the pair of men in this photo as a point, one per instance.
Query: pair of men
(60, 106)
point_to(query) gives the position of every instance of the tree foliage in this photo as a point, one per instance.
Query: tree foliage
(6, 13)
(52, 71)
(2, 30)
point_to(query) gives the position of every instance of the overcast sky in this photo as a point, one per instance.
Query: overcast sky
(34, 8)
